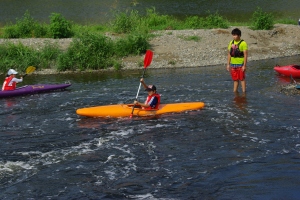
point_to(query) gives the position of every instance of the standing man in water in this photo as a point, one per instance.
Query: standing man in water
(237, 60)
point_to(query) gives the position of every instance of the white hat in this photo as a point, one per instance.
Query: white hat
(11, 71)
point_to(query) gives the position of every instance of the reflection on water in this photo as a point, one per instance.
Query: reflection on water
(9, 103)
(240, 100)
(100, 11)
(284, 79)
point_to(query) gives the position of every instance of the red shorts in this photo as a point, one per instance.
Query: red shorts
(237, 74)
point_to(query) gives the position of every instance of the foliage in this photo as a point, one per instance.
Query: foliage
(190, 38)
(287, 21)
(99, 28)
(60, 27)
(156, 21)
(262, 20)
(214, 21)
(25, 27)
(11, 31)
(19, 56)
(134, 23)
(131, 44)
(48, 55)
(172, 62)
(117, 65)
(126, 22)
(211, 21)
(96, 51)
(16, 56)
(89, 51)
(193, 22)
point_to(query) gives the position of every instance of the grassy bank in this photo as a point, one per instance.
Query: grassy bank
(104, 45)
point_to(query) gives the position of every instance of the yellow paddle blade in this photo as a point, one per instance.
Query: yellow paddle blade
(30, 69)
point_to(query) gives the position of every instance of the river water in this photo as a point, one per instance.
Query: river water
(237, 147)
(100, 11)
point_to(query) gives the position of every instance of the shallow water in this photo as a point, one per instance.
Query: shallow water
(237, 147)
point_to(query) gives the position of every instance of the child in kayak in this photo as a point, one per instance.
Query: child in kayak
(237, 60)
(11, 81)
(153, 99)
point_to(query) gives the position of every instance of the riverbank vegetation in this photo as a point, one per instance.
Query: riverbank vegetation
(104, 45)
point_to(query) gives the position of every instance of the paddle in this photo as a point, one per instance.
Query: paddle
(29, 70)
(292, 79)
(147, 62)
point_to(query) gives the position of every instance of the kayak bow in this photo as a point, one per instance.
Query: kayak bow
(288, 70)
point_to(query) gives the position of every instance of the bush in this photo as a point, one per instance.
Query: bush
(16, 56)
(211, 21)
(126, 23)
(25, 27)
(11, 31)
(192, 22)
(60, 27)
(48, 55)
(94, 51)
(117, 65)
(131, 44)
(262, 20)
(214, 21)
(89, 51)
(287, 21)
(154, 20)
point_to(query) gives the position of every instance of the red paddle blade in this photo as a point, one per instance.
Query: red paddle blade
(148, 58)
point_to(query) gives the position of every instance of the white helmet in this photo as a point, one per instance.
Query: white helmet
(11, 71)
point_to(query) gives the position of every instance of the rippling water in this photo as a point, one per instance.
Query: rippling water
(237, 147)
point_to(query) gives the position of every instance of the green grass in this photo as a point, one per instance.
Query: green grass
(19, 57)
(96, 51)
(190, 38)
(286, 21)
(93, 49)
(262, 20)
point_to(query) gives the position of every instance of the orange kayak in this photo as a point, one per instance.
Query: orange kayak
(124, 110)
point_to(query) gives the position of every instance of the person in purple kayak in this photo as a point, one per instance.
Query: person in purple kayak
(10, 82)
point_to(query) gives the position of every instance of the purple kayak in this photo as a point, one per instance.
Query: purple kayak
(33, 89)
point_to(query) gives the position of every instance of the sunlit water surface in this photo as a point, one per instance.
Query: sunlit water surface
(237, 147)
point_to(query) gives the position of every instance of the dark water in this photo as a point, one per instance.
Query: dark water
(100, 11)
(237, 147)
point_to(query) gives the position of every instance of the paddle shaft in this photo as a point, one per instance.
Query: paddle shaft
(147, 62)
(137, 95)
